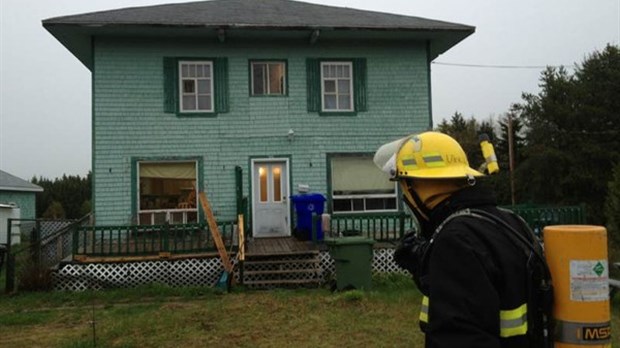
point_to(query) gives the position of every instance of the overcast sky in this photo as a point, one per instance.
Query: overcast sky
(45, 113)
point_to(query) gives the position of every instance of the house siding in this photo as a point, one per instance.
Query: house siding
(129, 120)
(24, 200)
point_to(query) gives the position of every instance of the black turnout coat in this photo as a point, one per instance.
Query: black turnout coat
(473, 276)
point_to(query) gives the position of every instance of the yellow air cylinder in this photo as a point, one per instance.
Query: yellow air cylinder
(577, 258)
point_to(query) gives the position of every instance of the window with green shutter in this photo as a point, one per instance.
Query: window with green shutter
(195, 86)
(336, 86)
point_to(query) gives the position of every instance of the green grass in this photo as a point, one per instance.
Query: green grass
(160, 316)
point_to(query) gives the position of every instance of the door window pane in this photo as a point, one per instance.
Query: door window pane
(277, 184)
(262, 185)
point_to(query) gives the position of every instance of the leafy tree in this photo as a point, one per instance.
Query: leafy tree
(572, 134)
(54, 211)
(86, 208)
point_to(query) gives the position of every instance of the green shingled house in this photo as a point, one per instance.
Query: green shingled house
(249, 98)
(18, 193)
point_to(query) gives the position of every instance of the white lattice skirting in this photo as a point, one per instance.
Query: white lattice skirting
(188, 272)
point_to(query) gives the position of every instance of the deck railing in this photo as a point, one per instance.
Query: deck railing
(195, 238)
(539, 217)
(382, 227)
(390, 227)
(140, 240)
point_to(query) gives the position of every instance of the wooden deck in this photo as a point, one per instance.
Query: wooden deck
(279, 246)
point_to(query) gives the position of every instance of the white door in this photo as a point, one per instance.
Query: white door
(270, 201)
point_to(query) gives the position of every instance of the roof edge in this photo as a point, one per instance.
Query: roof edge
(21, 189)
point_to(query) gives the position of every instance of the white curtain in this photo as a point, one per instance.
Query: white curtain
(168, 170)
(358, 174)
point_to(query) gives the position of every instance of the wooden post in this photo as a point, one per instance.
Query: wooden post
(241, 258)
(241, 232)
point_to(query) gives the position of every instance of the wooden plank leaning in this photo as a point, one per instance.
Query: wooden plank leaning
(215, 232)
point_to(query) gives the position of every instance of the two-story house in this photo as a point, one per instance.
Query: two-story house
(184, 96)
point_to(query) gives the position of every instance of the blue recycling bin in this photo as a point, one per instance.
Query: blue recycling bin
(305, 206)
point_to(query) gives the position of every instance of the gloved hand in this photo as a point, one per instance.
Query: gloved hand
(409, 252)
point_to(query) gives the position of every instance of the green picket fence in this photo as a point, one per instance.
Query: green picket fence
(148, 239)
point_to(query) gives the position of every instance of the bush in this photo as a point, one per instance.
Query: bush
(35, 278)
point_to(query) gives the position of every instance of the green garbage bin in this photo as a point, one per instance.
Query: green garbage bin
(353, 259)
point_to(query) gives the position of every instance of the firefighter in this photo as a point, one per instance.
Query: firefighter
(480, 269)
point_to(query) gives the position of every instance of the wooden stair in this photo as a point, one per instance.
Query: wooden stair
(282, 270)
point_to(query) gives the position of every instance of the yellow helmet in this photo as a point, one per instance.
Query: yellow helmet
(428, 155)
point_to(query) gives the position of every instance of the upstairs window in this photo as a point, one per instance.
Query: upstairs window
(196, 86)
(337, 86)
(268, 78)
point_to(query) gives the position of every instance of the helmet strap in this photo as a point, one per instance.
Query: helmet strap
(424, 211)
(415, 202)
(426, 229)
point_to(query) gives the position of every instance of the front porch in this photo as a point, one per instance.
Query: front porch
(184, 255)
(84, 256)
(151, 242)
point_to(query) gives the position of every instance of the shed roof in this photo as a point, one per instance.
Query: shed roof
(9, 182)
(208, 17)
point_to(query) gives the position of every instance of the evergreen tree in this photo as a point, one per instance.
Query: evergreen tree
(572, 134)
(612, 207)
(67, 194)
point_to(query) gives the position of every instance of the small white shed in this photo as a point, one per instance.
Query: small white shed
(10, 211)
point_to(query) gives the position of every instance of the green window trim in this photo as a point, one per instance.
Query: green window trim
(251, 79)
(220, 86)
(314, 80)
(134, 179)
(329, 157)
